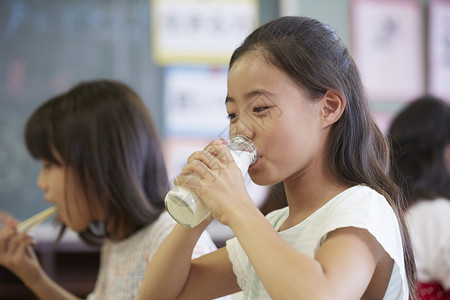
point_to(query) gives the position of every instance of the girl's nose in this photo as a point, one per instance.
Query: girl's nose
(41, 181)
(242, 127)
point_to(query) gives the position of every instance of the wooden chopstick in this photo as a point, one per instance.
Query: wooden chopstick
(36, 219)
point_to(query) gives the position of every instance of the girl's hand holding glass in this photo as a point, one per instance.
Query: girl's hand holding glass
(213, 169)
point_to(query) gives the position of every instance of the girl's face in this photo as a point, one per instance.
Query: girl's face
(57, 182)
(266, 105)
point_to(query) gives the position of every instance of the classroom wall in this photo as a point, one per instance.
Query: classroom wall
(46, 46)
(333, 12)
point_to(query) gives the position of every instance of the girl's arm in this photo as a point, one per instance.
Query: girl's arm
(342, 268)
(17, 255)
(172, 275)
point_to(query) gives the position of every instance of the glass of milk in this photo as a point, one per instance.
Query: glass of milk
(185, 207)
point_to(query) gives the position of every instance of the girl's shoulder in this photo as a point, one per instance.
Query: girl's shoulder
(277, 217)
(362, 207)
(357, 205)
(360, 200)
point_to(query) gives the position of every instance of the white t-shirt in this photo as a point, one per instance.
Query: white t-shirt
(123, 264)
(358, 206)
(429, 227)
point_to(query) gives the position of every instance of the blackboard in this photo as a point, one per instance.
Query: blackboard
(47, 46)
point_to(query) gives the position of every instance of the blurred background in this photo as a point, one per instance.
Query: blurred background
(174, 53)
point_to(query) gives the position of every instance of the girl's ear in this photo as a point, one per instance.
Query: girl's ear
(333, 105)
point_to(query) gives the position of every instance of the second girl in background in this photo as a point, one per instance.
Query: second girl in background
(103, 169)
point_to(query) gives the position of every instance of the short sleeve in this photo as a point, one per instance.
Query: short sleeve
(239, 261)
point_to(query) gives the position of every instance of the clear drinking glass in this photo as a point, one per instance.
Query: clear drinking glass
(185, 207)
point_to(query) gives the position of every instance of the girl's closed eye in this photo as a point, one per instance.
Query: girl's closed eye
(255, 109)
(232, 116)
(258, 109)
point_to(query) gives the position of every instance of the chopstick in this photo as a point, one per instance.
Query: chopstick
(36, 219)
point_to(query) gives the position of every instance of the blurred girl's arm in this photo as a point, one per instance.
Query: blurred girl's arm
(17, 255)
(172, 274)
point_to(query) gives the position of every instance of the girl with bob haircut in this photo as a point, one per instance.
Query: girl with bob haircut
(295, 91)
(103, 169)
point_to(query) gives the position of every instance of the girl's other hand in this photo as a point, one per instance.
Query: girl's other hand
(16, 253)
(4, 215)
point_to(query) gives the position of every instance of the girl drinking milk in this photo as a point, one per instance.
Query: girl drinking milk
(295, 91)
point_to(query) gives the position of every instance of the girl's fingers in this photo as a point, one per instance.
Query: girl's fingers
(200, 159)
(25, 250)
(192, 182)
(6, 232)
(19, 240)
(201, 163)
(218, 142)
(221, 152)
(214, 156)
(193, 156)
(12, 222)
(193, 174)
(211, 148)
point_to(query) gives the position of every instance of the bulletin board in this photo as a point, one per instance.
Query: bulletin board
(439, 48)
(194, 101)
(200, 31)
(387, 44)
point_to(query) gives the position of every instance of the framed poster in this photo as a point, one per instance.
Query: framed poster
(200, 31)
(387, 45)
(194, 101)
(439, 49)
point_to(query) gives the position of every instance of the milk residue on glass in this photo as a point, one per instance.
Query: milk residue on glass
(185, 207)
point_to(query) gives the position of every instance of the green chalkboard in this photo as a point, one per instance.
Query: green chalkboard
(47, 46)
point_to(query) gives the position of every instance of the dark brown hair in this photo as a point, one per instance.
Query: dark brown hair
(419, 136)
(311, 53)
(104, 132)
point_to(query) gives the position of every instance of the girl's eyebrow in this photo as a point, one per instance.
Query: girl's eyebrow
(250, 95)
